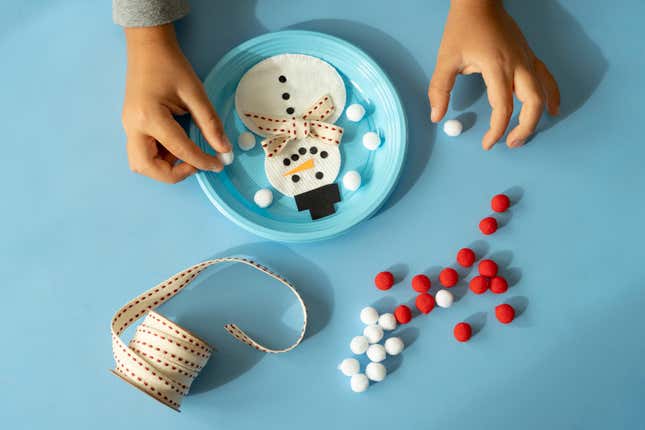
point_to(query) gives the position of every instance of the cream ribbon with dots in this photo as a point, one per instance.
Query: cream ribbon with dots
(162, 359)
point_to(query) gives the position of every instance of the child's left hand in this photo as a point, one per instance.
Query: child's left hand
(480, 37)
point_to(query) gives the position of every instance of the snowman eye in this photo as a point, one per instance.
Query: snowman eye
(295, 157)
(282, 79)
(286, 161)
(324, 154)
(302, 151)
(313, 150)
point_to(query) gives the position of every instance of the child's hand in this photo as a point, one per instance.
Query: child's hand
(480, 37)
(161, 83)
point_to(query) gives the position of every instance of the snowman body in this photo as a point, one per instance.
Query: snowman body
(293, 101)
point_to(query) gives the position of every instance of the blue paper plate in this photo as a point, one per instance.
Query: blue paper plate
(232, 190)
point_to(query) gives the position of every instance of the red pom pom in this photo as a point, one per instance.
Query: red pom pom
(498, 285)
(403, 314)
(488, 268)
(488, 225)
(421, 283)
(463, 332)
(425, 303)
(479, 284)
(466, 257)
(448, 277)
(505, 313)
(500, 203)
(384, 281)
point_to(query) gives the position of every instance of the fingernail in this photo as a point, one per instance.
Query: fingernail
(229, 146)
(433, 114)
(226, 157)
(517, 143)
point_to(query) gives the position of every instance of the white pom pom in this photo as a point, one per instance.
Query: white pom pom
(246, 141)
(376, 353)
(263, 197)
(359, 383)
(394, 345)
(376, 372)
(369, 315)
(373, 333)
(371, 140)
(355, 112)
(453, 127)
(352, 180)
(444, 298)
(226, 157)
(359, 345)
(349, 366)
(387, 322)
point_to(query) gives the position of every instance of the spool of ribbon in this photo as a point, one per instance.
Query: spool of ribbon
(162, 359)
(283, 130)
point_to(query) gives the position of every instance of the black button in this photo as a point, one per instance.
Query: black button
(302, 151)
(313, 150)
(286, 96)
(319, 175)
(295, 157)
(282, 79)
(295, 178)
(286, 161)
(324, 154)
(290, 110)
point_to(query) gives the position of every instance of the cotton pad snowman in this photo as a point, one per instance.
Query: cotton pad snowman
(293, 101)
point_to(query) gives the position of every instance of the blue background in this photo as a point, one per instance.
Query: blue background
(81, 235)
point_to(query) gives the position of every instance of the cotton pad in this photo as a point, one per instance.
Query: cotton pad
(453, 127)
(376, 353)
(352, 180)
(376, 372)
(246, 141)
(371, 141)
(359, 345)
(369, 315)
(394, 346)
(387, 321)
(349, 366)
(263, 198)
(359, 383)
(355, 112)
(373, 333)
(444, 298)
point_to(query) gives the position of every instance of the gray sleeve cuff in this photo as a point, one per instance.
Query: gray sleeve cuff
(147, 13)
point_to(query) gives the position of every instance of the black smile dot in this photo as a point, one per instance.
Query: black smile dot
(319, 175)
(295, 157)
(282, 79)
(324, 154)
(286, 161)
(286, 96)
(302, 151)
(295, 178)
(290, 110)
(313, 150)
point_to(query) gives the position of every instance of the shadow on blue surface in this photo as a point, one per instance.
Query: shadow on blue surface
(261, 306)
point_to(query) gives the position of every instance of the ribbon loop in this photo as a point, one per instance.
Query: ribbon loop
(162, 358)
(282, 130)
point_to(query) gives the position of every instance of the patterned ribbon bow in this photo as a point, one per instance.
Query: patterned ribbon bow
(282, 130)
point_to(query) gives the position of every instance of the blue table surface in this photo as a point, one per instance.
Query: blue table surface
(81, 235)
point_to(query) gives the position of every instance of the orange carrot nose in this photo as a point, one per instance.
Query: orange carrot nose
(309, 164)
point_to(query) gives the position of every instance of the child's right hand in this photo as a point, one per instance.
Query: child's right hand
(161, 83)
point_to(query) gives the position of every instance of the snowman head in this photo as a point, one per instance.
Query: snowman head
(295, 93)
